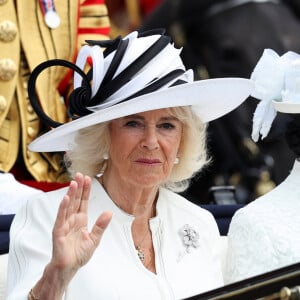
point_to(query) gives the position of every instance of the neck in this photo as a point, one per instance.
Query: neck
(139, 202)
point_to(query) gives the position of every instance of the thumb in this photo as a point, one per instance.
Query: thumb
(100, 226)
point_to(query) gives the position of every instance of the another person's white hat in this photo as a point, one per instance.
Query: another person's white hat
(137, 73)
(277, 84)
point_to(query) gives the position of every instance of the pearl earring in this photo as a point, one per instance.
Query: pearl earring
(176, 161)
(105, 158)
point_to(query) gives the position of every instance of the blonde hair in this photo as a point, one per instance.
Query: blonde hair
(93, 143)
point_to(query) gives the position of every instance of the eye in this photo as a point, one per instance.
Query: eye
(167, 126)
(132, 124)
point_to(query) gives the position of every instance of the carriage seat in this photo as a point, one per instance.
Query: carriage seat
(222, 214)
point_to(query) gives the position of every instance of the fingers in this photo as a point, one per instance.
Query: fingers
(71, 194)
(76, 199)
(79, 179)
(85, 194)
(79, 193)
(62, 214)
(100, 226)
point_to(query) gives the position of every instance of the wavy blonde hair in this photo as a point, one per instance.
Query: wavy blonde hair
(93, 143)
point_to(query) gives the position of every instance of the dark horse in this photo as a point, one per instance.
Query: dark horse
(223, 39)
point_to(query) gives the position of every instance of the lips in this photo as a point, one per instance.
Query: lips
(148, 161)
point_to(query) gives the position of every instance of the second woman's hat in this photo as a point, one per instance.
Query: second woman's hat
(277, 86)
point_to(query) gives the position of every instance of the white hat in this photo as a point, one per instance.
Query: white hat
(138, 73)
(277, 84)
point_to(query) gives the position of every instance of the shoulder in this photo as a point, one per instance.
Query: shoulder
(181, 206)
(40, 208)
(251, 229)
(266, 207)
(35, 220)
(15, 192)
(49, 200)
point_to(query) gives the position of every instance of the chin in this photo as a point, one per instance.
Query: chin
(147, 181)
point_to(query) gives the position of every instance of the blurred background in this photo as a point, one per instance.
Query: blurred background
(225, 38)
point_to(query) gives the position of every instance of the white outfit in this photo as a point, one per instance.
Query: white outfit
(265, 235)
(115, 271)
(13, 194)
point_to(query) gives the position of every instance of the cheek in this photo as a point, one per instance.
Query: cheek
(171, 149)
(118, 152)
(121, 147)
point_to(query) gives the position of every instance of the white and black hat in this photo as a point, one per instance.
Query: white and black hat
(137, 73)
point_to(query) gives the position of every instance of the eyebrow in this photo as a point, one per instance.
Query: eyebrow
(139, 117)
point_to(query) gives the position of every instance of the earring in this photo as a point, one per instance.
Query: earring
(105, 158)
(176, 161)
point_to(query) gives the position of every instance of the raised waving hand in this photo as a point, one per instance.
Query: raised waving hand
(73, 244)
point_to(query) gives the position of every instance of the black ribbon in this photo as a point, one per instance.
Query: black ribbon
(77, 102)
(81, 98)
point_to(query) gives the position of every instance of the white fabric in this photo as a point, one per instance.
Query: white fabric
(13, 194)
(265, 235)
(285, 107)
(3, 270)
(96, 54)
(115, 271)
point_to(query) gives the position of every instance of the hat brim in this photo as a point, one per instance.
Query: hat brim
(287, 107)
(210, 99)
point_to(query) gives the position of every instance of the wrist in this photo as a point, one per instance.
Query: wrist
(52, 285)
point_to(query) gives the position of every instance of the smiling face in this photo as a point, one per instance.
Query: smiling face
(144, 147)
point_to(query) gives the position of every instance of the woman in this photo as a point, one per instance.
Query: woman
(264, 235)
(139, 134)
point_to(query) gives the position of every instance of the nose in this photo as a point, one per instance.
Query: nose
(150, 138)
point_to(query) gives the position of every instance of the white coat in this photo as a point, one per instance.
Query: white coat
(115, 271)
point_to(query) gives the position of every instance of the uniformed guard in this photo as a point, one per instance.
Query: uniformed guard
(33, 31)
